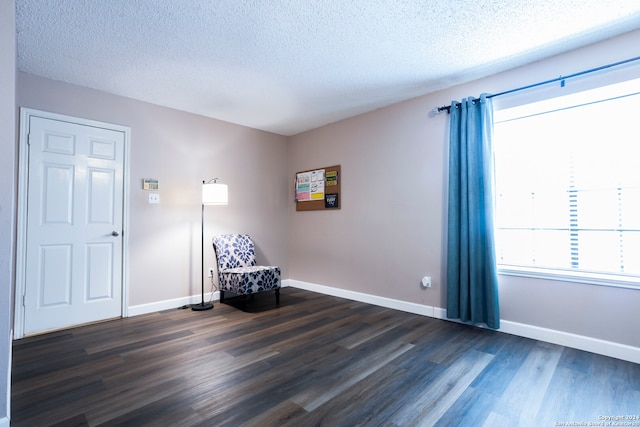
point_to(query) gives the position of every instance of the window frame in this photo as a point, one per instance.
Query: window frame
(556, 100)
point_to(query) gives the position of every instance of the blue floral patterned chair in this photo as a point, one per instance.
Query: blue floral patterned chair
(237, 269)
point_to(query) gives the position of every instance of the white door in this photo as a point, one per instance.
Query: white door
(73, 263)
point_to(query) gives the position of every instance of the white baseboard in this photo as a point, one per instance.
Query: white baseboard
(152, 307)
(425, 310)
(580, 342)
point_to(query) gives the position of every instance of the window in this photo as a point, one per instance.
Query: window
(568, 186)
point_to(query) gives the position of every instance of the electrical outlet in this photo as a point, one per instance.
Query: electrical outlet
(426, 282)
(210, 272)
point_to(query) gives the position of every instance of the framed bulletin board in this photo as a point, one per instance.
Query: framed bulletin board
(318, 189)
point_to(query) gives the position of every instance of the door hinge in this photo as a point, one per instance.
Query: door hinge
(24, 300)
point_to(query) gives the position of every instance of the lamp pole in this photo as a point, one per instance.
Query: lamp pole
(202, 305)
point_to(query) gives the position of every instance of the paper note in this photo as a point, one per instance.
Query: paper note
(317, 184)
(303, 186)
(331, 178)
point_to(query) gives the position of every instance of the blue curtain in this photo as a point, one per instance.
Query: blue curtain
(472, 282)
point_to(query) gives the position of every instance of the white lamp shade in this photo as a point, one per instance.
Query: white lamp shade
(214, 194)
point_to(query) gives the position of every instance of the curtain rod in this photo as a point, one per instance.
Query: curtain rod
(557, 79)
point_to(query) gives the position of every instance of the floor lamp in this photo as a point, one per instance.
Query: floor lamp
(212, 194)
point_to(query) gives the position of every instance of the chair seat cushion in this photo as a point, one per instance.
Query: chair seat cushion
(250, 279)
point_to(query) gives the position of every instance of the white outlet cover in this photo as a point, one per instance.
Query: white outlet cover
(154, 198)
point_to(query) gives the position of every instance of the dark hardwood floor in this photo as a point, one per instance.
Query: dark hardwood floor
(315, 360)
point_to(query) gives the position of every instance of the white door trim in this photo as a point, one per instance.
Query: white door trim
(23, 179)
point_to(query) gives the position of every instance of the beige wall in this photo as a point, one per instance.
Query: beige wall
(181, 150)
(391, 229)
(7, 195)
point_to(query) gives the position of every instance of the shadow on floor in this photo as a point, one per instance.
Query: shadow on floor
(259, 302)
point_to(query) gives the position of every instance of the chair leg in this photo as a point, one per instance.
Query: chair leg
(277, 296)
(221, 296)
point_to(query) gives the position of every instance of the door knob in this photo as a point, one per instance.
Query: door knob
(115, 233)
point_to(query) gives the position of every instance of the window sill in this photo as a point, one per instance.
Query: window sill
(628, 282)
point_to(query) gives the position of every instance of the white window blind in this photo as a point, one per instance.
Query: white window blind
(568, 185)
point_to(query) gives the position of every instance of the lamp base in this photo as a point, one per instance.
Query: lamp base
(202, 306)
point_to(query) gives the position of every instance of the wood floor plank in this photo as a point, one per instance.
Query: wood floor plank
(330, 386)
(320, 335)
(472, 408)
(570, 388)
(172, 410)
(96, 369)
(429, 406)
(560, 405)
(47, 403)
(497, 420)
(283, 414)
(105, 407)
(365, 334)
(522, 399)
(254, 392)
(368, 402)
(616, 370)
(506, 363)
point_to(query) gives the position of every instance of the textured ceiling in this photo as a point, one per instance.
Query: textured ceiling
(287, 66)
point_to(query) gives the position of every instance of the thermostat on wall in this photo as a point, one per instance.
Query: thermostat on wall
(149, 184)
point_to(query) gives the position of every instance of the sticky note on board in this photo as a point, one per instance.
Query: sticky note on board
(331, 178)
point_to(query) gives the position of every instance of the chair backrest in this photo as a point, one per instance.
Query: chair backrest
(234, 250)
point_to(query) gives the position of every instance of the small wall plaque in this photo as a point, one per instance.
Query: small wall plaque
(149, 184)
(331, 201)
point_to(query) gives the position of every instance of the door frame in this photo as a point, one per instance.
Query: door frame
(23, 181)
